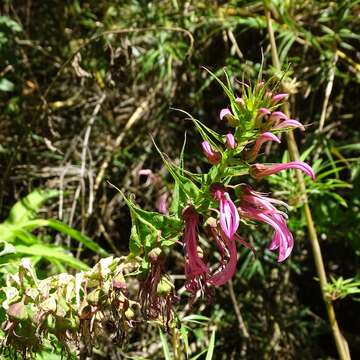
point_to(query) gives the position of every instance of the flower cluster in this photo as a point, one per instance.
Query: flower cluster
(241, 148)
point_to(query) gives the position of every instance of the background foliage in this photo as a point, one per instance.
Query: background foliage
(84, 84)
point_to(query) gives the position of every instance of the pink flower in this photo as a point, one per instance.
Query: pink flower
(228, 116)
(266, 136)
(260, 170)
(289, 123)
(150, 176)
(213, 156)
(195, 268)
(256, 206)
(161, 203)
(279, 120)
(225, 113)
(277, 116)
(145, 172)
(227, 250)
(229, 216)
(264, 112)
(230, 141)
(279, 97)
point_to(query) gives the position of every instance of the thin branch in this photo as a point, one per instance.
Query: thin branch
(242, 325)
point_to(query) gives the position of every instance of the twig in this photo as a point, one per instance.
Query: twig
(81, 187)
(242, 326)
(341, 344)
(235, 44)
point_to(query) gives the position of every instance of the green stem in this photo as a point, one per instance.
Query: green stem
(341, 344)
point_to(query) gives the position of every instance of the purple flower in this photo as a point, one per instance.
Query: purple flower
(195, 268)
(256, 206)
(230, 141)
(260, 170)
(229, 216)
(213, 156)
(253, 152)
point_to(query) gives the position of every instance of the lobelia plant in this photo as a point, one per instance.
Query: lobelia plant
(217, 202)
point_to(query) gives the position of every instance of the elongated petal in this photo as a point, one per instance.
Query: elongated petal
(264, 111)
(266, 136)
(227, 271)
(283, 239)
(279, 97)
(195, 268)
(161, 203)
(289, 123)
(261, 170)
(229, 216)
(277, 116)
(213, 156)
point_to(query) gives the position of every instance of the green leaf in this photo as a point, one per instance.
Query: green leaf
(205, 132)
(6, 248)
(65, 229)
(210, 351)
(165, 345)
(185, 338)
(186, 185)
(51, 252)
(150, 227)
(27, 208)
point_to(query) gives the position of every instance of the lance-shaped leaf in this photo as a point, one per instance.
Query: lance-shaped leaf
(26, 208)
(206, 133)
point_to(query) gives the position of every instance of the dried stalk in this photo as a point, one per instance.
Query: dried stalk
(341, 344)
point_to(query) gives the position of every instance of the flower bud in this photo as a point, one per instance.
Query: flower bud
(214, 157)
(164, 287)
(154, 255)
(230, 141)
(17, 311)
(240, 101)
(229, 117)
